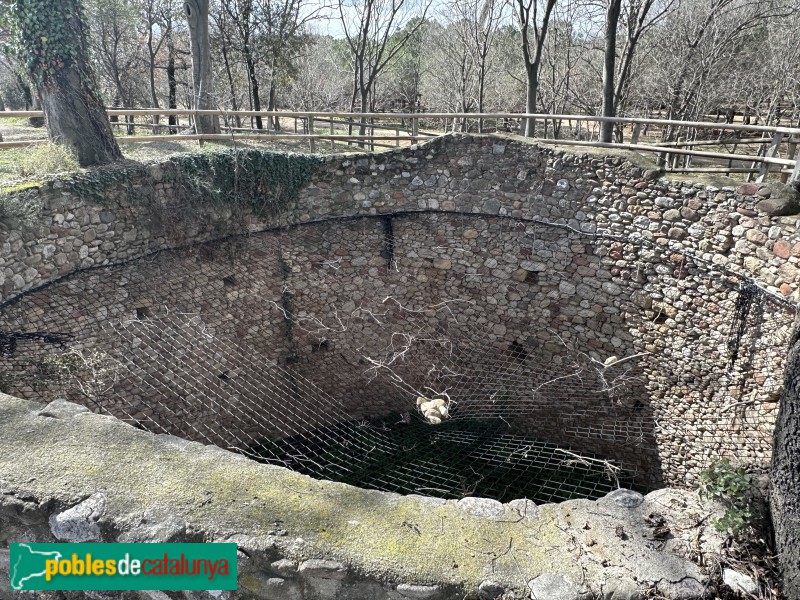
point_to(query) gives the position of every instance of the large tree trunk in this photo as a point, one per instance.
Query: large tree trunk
(609, 67)
(197, 17)
(75, 115)
(785, 492)
(77, 119)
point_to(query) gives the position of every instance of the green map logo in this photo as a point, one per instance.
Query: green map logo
(123, 566)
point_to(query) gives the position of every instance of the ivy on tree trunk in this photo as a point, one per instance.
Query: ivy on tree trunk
(52, 43)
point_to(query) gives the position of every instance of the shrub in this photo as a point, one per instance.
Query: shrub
(737, 491)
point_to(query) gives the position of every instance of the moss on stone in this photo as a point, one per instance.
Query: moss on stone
(18, 187)
(387, 536)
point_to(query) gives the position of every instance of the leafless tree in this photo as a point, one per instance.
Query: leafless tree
(613, 8)
(533, 19)
(376, 31)
(703, 41)
(476, 24)
(115, 48)
(153, 26)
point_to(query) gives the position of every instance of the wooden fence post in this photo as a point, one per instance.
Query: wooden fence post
(770, 153)
(312, 142)
(637, 129)
(331, 129)
(791, 152)
(794, 178)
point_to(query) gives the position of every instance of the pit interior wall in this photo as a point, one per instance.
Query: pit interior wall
(563, 255)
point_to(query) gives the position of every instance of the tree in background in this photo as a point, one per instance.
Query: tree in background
(321, 81)
(202, 77)
(638, 17)
(533, 19)
(613, 8)
(407, 71)
(115, 48)
(565, 82)
(53, 47)
(369, 27)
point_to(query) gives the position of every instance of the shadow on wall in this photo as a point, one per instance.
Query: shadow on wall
(563, 359)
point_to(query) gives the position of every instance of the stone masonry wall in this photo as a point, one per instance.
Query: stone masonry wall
(67, 475)
(560, 254)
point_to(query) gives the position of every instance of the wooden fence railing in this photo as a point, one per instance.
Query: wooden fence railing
(766, 149)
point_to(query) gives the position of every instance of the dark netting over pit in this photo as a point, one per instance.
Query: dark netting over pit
(472, 452)
(446, 355)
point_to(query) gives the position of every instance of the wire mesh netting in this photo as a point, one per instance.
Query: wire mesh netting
(447, 355)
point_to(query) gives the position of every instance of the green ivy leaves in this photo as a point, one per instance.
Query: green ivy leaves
(263, 180)
(46, 36)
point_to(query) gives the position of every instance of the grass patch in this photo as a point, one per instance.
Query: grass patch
(46, 159)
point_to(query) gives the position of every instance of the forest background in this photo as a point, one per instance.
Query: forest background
(678, 59)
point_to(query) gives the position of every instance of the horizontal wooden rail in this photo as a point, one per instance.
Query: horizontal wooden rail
(667, 151)
(424, 116)
(646, 148)
(21, 144)
(726, 142)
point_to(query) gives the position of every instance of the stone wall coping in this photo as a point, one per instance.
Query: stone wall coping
(67, 473)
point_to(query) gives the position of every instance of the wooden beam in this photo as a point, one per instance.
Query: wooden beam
(414, 116)
(771, 151)
(723, 155)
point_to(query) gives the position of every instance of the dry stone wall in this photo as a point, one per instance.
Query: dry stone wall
(554, 262)
(89, 478)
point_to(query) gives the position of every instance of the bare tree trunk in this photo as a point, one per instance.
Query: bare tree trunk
(530, 99)
(152, 51)
(75, 115)
(234, 106)
(362, 128)
(481, 91)
(527, 19)
(254, 88)
(272, 106)
(785, 476)
(153, 95)
(172, 84)
(609, 67)
(197, 16)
